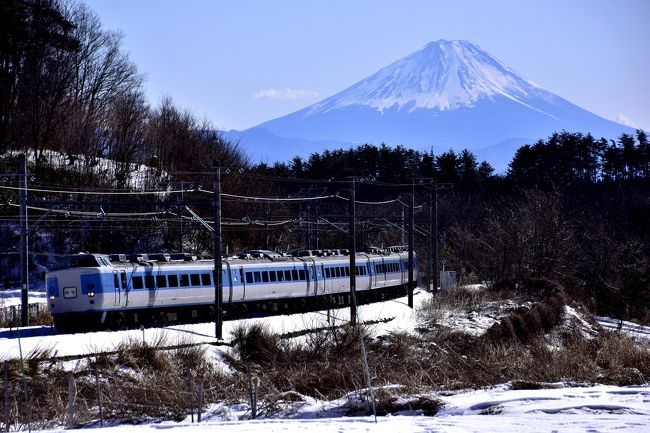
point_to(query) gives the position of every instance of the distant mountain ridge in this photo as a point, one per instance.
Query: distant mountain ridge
(449, 94)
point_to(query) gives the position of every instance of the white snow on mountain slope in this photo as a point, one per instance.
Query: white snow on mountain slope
(443, 75)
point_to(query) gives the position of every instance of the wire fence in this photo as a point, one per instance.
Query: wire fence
(36, 396)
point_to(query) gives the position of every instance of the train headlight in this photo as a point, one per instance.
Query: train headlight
(51, 297)
(91, 294)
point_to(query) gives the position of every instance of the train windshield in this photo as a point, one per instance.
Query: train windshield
(80, 261)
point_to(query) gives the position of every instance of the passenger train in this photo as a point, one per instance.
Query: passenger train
(95, 290)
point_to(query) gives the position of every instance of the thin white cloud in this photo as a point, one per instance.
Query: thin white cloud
(620, 118)
(288, 93)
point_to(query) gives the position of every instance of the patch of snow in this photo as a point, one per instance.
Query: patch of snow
(496, 409)
(11, 297)
(631, 329)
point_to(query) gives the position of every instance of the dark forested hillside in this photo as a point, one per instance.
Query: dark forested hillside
(571, 208)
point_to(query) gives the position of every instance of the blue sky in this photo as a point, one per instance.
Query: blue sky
(240, 63)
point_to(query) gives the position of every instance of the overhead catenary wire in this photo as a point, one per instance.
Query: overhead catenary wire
(52, 191)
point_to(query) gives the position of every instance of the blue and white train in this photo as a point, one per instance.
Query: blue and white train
(91, 290)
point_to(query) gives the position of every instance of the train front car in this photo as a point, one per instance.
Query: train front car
(77, 287)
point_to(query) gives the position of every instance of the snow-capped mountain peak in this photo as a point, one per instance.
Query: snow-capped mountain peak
(444, 75)
(449, 94)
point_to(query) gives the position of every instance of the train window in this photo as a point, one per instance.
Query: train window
(149, 282)
(280, 275)
(301, 274)
(257, 276)
(195, 279)
(294, 274)
(172, 280)
(347, 271)
(265, 277)
(161, 281)
(137, 283)
(206, 280)
(185, 280)
(327, 272)
(116, 281)
(249, 277)
(337, 271)
(287, 275)
(272, 275)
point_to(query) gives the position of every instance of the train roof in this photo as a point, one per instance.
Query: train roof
(184, 259)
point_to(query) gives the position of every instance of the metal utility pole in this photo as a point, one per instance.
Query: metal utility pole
(218, 282)
(434, 230)
(24, 239)
(411, 247)
(429, 241)
(403, 224)
(353, 253)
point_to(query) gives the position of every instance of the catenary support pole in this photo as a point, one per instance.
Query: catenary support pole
(353, 252)
(217, 277)
(411, 248)
(436, 274)
(24, 240)
(430, 248)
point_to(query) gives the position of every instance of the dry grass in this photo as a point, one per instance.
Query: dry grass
(143, 382)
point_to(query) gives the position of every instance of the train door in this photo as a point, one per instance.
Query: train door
(314, 276)
(125, 287)
(310, 277)
(117, 295)
(150, 285)
(242, 280)
(324, 281)
(226, 279)
(368, 276)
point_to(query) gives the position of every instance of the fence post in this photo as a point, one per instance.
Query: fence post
(6, 395)
(71, 399)
(99, 396)
(200, 405)
(190, 402)
(252, 388)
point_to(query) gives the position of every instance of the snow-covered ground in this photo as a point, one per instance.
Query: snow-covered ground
(498, 409)
(11, 297)
(384, 317)
(631, 329)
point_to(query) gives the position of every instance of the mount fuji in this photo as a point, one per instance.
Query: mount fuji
(449, 94)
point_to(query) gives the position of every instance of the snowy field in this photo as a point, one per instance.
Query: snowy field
(559, 408)
(384, 317)
(498, 409)
(641, 333)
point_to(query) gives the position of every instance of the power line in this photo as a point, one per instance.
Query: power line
(51, 191)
